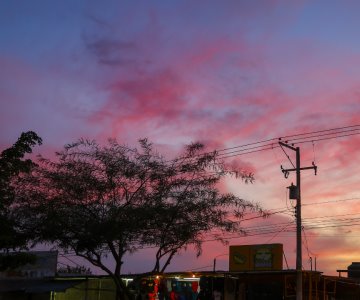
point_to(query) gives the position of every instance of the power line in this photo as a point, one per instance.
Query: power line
(286, 210)
(331, 201)
(277, 228)
(321, 131)
(319, 203)
(288, 137)
(335, 132)
(300, 138)
(309, 139)
(268, 144)
(307, 244)
(328, 138)
(276, 234)
(70, 260)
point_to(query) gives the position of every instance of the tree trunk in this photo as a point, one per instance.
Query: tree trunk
(168, 260)
(122, 292)
(157, 263)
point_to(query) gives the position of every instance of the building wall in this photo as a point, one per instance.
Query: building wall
(92, 289)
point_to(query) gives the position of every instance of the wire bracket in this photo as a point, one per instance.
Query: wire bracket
(287, 171)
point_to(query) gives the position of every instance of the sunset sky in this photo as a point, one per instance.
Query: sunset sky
(226, 73)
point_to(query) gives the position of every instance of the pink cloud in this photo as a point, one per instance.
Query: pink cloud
(225, 85)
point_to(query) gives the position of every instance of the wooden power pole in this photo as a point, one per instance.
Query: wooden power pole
(297, 169)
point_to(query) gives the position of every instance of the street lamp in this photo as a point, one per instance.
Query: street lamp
(214, 266)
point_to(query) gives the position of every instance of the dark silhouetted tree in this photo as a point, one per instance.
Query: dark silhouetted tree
(12, 234)
(112, 200)
(189, 206)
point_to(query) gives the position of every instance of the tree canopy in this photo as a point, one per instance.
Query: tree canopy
(12, 164)
(111, 200)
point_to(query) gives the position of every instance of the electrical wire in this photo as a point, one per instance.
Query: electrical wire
(334, 132)
(276, 234)
(70, 260)
(277, 228)
(268, 144)
(300, 138)
(265, 145)
(284, 210)
(306, 244)
(319, 203)
(325, 130)
(287, 155)
(330, 201)
(293, 137)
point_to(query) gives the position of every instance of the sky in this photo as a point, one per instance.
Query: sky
(225, 73)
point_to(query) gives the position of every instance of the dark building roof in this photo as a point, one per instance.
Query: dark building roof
(36, 285)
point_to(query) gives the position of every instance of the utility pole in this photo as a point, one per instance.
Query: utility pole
(297, 169)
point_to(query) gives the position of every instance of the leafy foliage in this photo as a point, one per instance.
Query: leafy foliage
(111, 200)
(12, 163)
(189, 205)
(12, 236)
